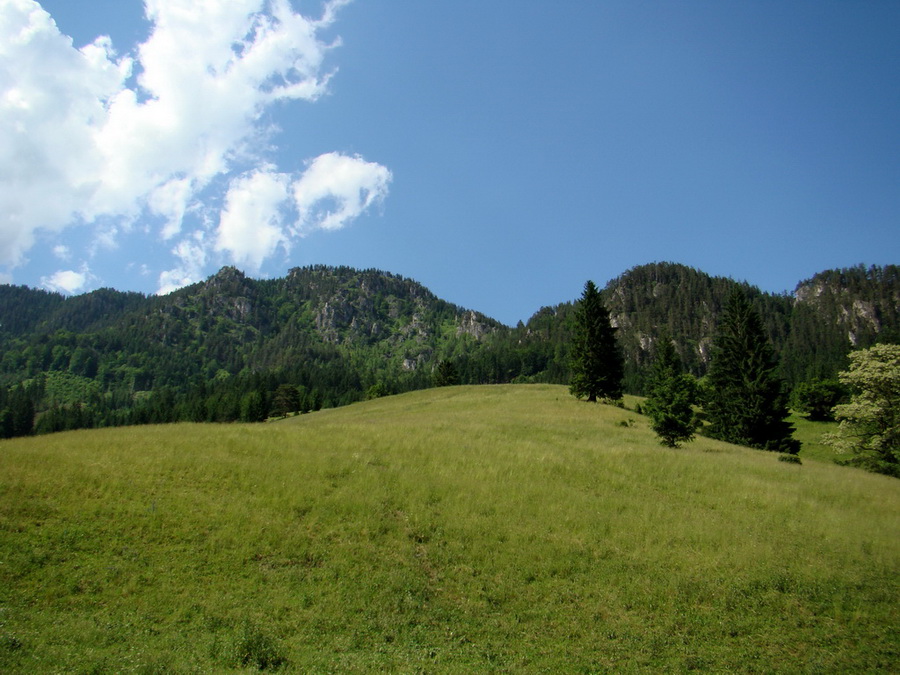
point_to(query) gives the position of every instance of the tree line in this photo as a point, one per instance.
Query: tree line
(744, 398)
(221, 348)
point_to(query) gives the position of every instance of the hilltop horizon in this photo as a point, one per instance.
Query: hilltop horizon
(602, 283)
(154, 142)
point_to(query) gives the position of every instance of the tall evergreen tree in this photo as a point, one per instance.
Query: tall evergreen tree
(445, 375)
(746, 402)
(671, 395)
(17, 416)
(253, 407)
(286, 400)
(597, 363)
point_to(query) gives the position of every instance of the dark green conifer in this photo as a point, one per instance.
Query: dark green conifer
(746, 401)
(253, 407)
(17, 418)
(671, 395)
(445, 375)
(286, 400)
(597, 363)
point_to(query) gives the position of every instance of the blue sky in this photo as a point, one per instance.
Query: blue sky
(500, 152)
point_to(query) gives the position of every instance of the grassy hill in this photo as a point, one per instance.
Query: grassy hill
(504, 528)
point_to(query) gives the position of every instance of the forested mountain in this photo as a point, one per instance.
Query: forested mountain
(199, 352)
(220, 349)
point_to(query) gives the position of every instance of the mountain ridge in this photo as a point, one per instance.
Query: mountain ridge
(338, 332)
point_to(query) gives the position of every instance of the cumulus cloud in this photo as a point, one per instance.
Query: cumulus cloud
(67, 281)
(250, 228)
(170, 200)
(331, 192)
(336, 188)
(192, 257)
(52, 97)
(117, 148)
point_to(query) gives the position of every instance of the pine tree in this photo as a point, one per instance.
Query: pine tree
(597, 363)
(286, 400)
(671, 394)
(746, 402)
(253, 407)
(445, 375)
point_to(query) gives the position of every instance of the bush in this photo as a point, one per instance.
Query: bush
(377, 390)
(815, 399)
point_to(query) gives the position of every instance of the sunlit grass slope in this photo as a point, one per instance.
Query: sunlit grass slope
(810, 436)
(462, 529)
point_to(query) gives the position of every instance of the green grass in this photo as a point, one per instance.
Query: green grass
(464, 529)
(810, 436)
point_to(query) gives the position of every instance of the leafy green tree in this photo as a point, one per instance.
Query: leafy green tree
(377, 390)
(446, 375)
(817, 398)
(746, 402)
(671, 395)
(869, 426)
(83, 362)
(596, 360)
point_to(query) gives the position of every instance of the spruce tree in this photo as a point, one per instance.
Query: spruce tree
(746, 401)
(445, 375)
(671, 395)
(597, 362)
(286, 400)
(253, 407)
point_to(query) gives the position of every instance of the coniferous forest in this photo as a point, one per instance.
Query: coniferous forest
(235, 348)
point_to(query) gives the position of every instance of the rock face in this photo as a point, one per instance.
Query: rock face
(366, 307)
(685, 301)
(862, 302)
(472, 323)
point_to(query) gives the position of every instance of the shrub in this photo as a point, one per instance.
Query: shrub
(817, 398)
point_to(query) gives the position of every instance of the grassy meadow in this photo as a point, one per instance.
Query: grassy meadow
(462, 529)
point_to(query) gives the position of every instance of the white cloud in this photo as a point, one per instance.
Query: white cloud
(61, 251)
(67, 281)
(170, 200)
(192, 257)
(111, 149)
(208, 70)
(336, 188)
(250, 229)
(51, 97)
(332, 191)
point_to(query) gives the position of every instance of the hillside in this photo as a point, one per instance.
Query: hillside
(811, 330)
(461, 529)
(212, 351)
